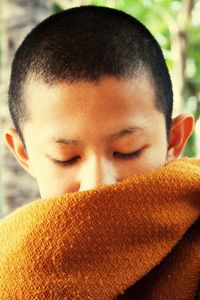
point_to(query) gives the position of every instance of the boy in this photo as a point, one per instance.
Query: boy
(90, 78)
(91, 100)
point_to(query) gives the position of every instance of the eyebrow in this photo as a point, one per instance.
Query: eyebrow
(123, 132)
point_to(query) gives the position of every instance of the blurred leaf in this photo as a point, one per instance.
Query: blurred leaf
(56, 7)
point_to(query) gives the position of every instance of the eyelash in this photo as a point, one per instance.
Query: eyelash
(132, 155)
(128, 156)
(66, 162)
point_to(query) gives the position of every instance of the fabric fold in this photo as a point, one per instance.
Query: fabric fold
(97, 244)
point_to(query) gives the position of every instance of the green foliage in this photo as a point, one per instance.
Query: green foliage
(56, 7)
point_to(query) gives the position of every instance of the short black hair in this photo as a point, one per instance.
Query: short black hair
(88, 43)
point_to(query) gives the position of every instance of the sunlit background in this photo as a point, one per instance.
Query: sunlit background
(176, 26)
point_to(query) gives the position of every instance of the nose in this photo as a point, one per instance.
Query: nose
(96, 173)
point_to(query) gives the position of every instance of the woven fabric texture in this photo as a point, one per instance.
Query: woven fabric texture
(136, 239)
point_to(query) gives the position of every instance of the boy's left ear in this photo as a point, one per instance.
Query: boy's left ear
(181, 129)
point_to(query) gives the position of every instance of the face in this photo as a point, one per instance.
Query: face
(82, 135)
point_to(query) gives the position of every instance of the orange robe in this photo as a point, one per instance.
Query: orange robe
(136, 239)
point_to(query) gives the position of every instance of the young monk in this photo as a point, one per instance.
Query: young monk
(91, 100)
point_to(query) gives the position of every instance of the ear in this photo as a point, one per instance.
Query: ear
(181, 129)
(14, 143)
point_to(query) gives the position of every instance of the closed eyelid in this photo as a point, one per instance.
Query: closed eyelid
(118, 155)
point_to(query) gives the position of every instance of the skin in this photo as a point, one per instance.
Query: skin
(92, 114)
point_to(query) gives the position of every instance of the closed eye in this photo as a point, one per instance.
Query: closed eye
(131, 155)
(66, 162)
(118, 155)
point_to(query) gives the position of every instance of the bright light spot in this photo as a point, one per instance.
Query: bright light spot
(191, 104)
(190, 68)
(148, 3)
(161, 39)
(196, 14)
(176, 5)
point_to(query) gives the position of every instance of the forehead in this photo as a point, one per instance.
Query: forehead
(106, 104)
(106, 88)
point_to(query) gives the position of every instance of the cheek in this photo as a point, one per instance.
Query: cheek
(52, 180)
(152, 158)
(55, 183)
(156, 157)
